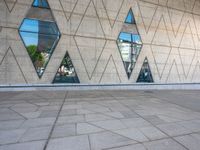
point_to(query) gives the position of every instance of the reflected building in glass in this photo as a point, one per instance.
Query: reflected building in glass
(40, 37)
(129, 43)
(66, 72)
(145, 73)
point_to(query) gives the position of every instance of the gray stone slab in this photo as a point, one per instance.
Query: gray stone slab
(130, 147)
(110, 124)
(38, 122)
(132, 133)
(35, 145)
(165, 144)
(135, 122)
(152, 133)
(36, 134)
(70, 119)
(11, 136)
(86, 128)
(192, 142)
(108, 140)
(69, 143)
(11, 124)
(97, 117)
(64, 130)
(173, 129)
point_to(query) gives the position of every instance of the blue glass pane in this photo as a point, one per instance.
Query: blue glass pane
(125, 36)
(29, 38)
(130, 18)
(136, 39)
(37, 26)
(66, 72)
(41, 3)
(30, 25)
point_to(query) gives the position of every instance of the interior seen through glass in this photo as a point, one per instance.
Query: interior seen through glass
(66, 72)
(129, 45)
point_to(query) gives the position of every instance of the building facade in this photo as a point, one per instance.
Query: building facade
(99, 41)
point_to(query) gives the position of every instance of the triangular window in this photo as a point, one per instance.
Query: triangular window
(130, 18)
(41, 3)
(145, 73)
(66, 72)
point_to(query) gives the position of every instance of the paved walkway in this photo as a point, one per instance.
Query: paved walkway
(100, 120)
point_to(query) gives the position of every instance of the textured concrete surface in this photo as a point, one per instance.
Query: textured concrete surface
(100, 120)
(169, 29)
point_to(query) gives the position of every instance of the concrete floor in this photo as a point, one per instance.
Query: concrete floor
(100, 120)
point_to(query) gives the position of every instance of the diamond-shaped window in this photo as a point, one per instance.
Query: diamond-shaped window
(41, 3)
(129, 43)
(145, 73)
(66, 72)
(40, 39)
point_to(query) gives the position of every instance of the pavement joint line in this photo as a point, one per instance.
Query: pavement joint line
(165, 99)
(54, 124)
(153, 125)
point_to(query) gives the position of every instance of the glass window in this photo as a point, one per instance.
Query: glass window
(40, 39)
(129, 45)
(145, 73)
(66, 72)
(41, 3)
(130, 18)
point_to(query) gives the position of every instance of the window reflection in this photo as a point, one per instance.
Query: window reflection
(130, 19)
(41, 3)
(66, 72)
(129, 44)
(40, 39)
(145, 73)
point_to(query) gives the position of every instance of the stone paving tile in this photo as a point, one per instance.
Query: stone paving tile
(36, 145)
(48, 114)
(110, 124)
(84, 111)
(70, 119)
(153, 119)
(192, 125)
(7, 114)
(152, 133)
(132, 133)
(12, 124)
(173, 129)
(31, 115)
(64, 130)
(24, 108)
(69, 143)
(85, 128)
(97, 117)
(48, 108)
(69, 112)
(165, 144)
(106, 140)
(36, 134)
(135, 122)
(130, 147)
(11, 136)
(38, 122)
(115, 114)
(192, 142)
